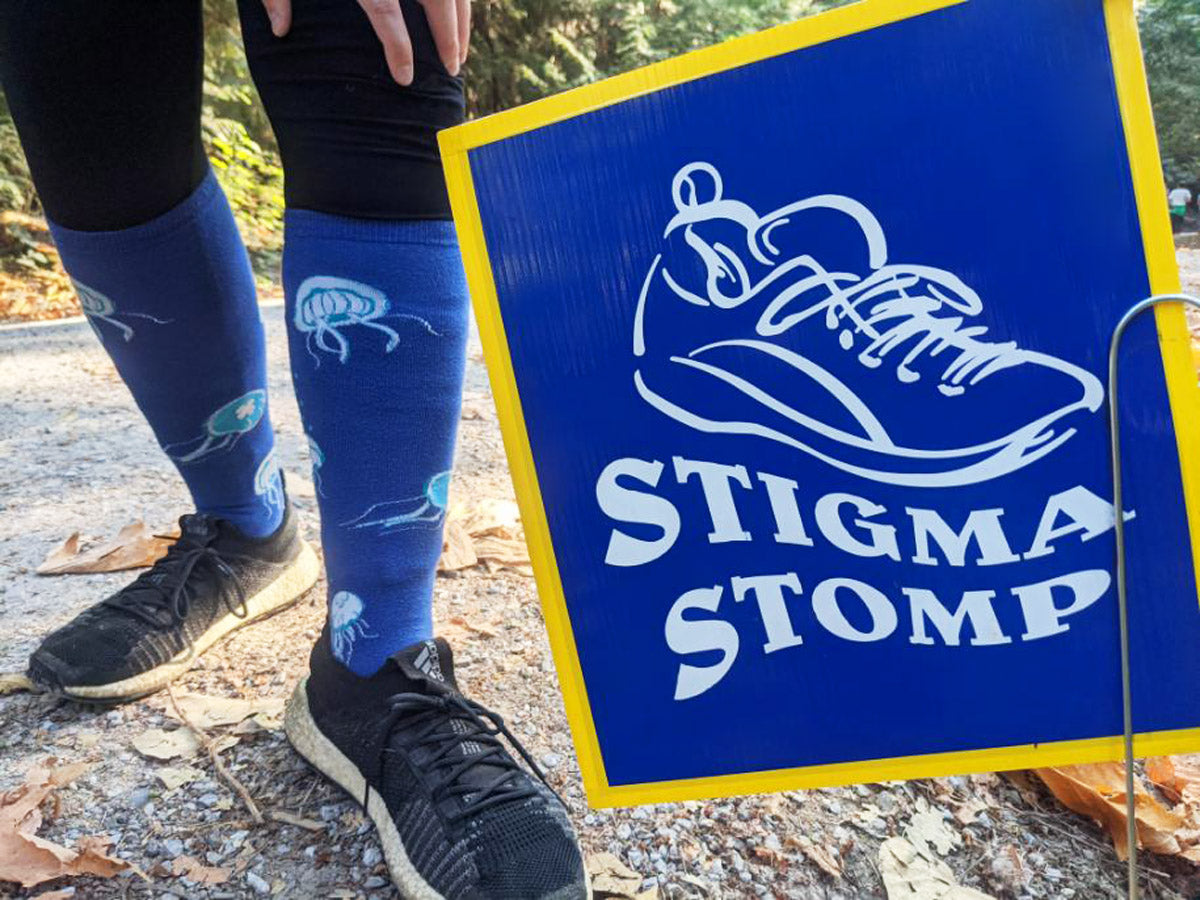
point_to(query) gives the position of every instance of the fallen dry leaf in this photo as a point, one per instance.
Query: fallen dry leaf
(928, 827)
(968, 811)
(174, 776)
(827, 862)
(135, 546)
(1178, 777)
(477, 407)
(910, 873)
(1098, 791)
(484, 531)
(30, 860)
(209, 711)
(503, 552)
(191, 868)
(15, 683)
(489, 517)
(611, 878)
(158, 743)
(458, 550)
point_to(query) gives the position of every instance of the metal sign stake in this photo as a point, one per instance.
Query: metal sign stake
(1122, 604)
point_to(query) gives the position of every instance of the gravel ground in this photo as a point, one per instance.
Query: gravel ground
(77, 456)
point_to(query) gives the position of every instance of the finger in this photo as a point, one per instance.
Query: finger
(443, 22)
(280, 14)
(389, 26)
(464, 29)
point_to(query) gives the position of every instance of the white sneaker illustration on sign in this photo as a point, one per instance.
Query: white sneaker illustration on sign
(795, 327)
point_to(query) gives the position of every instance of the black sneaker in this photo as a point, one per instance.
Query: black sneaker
(213, 580)
(457, 816)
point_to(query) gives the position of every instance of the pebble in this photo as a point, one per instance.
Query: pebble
(257, 883)
(375, 881)
(138, 797)
(371, 856)
(173, 846)
(551, 761)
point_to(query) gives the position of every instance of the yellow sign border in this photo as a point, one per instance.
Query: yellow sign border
(456, 144)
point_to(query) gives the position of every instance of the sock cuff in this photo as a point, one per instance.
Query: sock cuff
(197, 206)
(312, 224)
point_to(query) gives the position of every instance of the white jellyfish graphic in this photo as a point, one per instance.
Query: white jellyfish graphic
(346, 624)
(395, 515)
(268, 482)
(325, 304)
(99, 308)
(223, 428)
(317, 455)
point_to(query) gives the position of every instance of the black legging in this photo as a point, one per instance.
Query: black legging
(106, 98)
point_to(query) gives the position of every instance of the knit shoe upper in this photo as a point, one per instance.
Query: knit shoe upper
(458, 816)
(212, 579)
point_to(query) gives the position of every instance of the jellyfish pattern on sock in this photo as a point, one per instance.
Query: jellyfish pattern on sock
(223, 428)
(268, 482)
(99, 309)
(377, 315)
(173, 303)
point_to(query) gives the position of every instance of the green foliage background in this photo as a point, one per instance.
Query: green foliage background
(526, 49)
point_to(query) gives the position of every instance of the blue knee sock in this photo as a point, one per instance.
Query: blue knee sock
(377, 315)
(172, 300)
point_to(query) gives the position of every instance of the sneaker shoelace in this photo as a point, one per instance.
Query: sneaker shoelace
(464, 739)
(162, 597)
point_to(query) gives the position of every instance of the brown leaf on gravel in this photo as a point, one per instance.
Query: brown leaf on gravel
(15, 683)
(158, 743)
(1098, 791)
(176, 776)
(912, 873)
(458, 550)
(30, 860)
(136, 545)
(503, 552)
(210, 711)
(477, 407)
(489, 517)
(611, 878)
(827, 862)
(485, 531)
(1178, 777)
(191, 868)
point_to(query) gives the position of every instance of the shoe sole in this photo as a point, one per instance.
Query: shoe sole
(324, 756)
(281, 593)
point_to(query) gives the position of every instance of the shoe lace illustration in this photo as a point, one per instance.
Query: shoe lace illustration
(163, 596)
(464, 739)
(893, 305)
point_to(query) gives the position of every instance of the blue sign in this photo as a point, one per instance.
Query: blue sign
(799, 346)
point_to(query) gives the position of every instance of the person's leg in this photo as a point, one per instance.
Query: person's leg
(376, 308)
(106, 100)
(377, 311)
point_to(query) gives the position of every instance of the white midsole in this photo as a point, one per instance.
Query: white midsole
(324, 755)
(297, 578)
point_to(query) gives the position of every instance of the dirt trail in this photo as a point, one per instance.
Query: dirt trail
(77, 456)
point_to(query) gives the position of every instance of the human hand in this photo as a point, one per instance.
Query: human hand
(449, 20)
